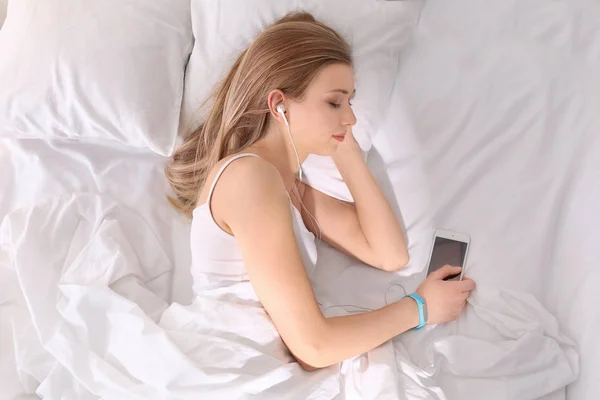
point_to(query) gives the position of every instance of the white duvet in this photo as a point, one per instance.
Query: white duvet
(86, 324)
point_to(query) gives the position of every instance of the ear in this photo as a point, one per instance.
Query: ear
(276, 97)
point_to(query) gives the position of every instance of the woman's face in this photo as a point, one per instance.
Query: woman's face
(321, 119)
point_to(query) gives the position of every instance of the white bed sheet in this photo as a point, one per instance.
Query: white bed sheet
(504, 109)
(86, 277)
(491, 131)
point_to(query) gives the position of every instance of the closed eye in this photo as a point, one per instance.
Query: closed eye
(335, 105)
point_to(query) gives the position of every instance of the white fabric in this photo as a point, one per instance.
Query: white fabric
(94, 70)
(501, 110)
(217, 262)
(106, 334)
(491, 131)
(224, 28)
(504, 346)
(33, 171)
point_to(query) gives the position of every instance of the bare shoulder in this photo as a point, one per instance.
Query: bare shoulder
(244, 169)
(251, 177)
(249, 185)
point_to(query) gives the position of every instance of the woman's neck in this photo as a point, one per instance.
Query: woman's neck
(276, 148)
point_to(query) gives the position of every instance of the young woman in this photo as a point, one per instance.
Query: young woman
(287, 96)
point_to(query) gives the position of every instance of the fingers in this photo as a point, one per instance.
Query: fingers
(445, 271)
(467, 285)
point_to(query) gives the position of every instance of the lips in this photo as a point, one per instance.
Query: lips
(339, 138)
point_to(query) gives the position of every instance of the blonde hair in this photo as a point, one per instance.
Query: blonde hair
(286, 56)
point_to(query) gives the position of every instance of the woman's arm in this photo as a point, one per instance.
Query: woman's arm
(252, 201)
(366, 229)
(261, 222)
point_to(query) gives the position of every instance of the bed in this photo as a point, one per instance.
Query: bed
(490, 127)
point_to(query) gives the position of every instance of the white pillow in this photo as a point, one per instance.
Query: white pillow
(377, 31)
(95, 70)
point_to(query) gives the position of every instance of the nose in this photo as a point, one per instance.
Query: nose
(349, 117)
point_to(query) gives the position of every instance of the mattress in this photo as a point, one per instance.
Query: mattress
(492, 129)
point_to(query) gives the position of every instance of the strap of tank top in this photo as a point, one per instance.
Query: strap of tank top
(232, 159)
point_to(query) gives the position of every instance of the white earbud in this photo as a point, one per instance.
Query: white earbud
(281, 110)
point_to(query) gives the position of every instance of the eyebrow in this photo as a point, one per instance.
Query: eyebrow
(344, 91)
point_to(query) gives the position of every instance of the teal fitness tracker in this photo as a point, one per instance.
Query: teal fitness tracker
(422, 309)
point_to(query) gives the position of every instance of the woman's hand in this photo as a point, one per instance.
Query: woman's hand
(348, 145)
(445, 299)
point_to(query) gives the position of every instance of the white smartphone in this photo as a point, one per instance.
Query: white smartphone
(449, 248)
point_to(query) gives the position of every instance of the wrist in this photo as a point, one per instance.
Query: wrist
(347, 157)
(421, 309)
(412, 313)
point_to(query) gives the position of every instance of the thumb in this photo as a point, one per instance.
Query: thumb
(445, 271)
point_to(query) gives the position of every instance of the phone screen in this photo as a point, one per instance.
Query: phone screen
(447, 252)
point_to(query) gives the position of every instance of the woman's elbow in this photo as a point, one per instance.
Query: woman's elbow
(306, 366)
(309, 352)
(396, 263)
(310, 357)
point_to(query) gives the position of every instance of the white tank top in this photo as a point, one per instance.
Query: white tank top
(217, 263)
